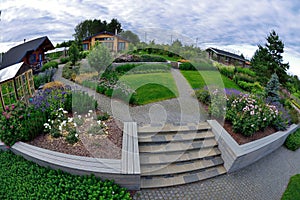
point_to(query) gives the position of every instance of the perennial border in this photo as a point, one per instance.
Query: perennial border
(125, 171)
(237, 156)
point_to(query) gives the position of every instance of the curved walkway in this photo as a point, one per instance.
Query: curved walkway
(264, 180)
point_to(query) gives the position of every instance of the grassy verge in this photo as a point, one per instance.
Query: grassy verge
(293, 189)
(21, 179)
(151, 87)
(196, 80)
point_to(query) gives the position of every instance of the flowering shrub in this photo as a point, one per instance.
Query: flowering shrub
(249, 114)
(19, 122)
(217, 107)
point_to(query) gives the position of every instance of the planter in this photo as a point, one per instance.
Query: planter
(237, 156)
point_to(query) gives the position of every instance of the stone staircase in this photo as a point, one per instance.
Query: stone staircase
(175, 155)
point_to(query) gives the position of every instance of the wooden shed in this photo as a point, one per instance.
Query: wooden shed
(16, 84)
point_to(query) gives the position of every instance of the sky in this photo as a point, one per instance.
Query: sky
(237, 26)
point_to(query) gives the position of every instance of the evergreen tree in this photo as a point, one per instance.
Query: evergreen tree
(132, 37)
(272, 89)
(73, 53)
(268, 60)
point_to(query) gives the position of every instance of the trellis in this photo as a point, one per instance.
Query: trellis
(16, 84)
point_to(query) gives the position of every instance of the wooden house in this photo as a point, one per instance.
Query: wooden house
(112, 41)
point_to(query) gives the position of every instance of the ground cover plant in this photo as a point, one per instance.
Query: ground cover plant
(22, 179)
(292, 191)
(293, 141)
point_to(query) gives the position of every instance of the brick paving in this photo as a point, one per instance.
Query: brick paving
(264, 180)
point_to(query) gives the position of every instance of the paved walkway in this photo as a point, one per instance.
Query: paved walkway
(264, 180)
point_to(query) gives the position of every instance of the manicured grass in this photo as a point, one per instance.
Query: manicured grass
(21, 179)
(196, 80)
(151, 87)
(293, 189)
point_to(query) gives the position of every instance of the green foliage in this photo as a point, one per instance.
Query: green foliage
(72, 136)
(292, 192)
(142, 68)
(22, 179)
(105, 116)
(73, 53)
(132, 37)
(64, 60)
(90, 27)
(203, 96)
(70, 72)
(217, 107)
(251, 87)
(19, 122)
(243, 77)
(82, 102)
(272, 89)
(100, 58)
(247, 71)
(268, 60)
(65, 44)
(48, 65)
(227, 71)
(187, 66)
(199, 65)
(152, 58)
(43, 77)
(293, 141)
(83, 54)
(249, 114)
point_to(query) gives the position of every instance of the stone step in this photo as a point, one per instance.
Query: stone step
(180, 136)
(171, 157)
(179, 179)
(181, 167)
(176, 146)
(174, 128)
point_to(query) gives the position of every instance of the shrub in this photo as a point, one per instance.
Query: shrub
(82, 102)
(152, 58)
(227, 71)
(247, 71)
(248, 114)
(272, 89)
(293, 141)
(53, 85)
(187, 66)
(217, 108)
(48, 65)
(43, 77)
(22, 179)
(83, 54)
(251, 87)
(19, 122)
(243, 77)
(64, 60)
(72, 136)
(203, 96)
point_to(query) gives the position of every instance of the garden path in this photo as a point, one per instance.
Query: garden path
(178, 111)
(263, 180)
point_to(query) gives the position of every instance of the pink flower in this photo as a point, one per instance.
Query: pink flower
(6, 108)
(12, 106)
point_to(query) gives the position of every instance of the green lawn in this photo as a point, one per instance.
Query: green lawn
(199, 79)
(293, 189)
(151, 87)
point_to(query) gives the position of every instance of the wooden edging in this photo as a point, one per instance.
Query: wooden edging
(237, 156)
(125, 172)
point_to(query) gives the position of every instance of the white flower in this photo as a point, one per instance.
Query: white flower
(76, 135)
(64, 123)
(60, 128)
(79, 116)
(75, 125)
(75, 113)
(106, 132)
(90, 111)
(99, 122)
(89, 114)
(70, 119)
(252, 125)
(65, 112)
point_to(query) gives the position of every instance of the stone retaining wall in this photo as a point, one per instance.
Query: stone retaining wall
(237, 156)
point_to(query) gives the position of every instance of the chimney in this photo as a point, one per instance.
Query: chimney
(24, 40)
(116, 31)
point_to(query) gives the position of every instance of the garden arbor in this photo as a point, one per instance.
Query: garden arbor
(16, 84)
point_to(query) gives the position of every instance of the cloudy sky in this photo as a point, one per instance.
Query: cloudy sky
(236, 25)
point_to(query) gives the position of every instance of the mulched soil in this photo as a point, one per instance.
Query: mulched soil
(99, 146)
(240, 139)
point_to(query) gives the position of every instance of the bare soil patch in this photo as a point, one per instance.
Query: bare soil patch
(107, 146)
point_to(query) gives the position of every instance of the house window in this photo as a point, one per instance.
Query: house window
(121, 46)
(32, 59)
(104, 39)
(85, 47)
(109, 45)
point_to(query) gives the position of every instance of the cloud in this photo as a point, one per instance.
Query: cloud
(234, 24)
